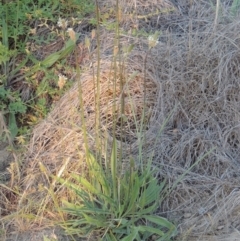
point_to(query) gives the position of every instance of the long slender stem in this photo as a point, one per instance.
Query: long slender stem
(216, 14)
(84, 128)
(143, 125)
(117, 73)
(97, 93)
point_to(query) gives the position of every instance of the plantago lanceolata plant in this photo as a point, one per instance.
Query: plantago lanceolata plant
(111, 204)
(114, 206)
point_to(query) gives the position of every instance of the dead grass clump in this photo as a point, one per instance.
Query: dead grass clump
(199, 74)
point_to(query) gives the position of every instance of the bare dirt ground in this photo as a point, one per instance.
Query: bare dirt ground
(193, 72)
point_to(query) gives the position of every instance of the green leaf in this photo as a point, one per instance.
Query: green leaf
(132, 235)
(98, 221)
(150, 193)
(4, 33)
(151, 230)
(54, 57)
(3, 93)
(159, 221)
(50, 60)
(147, 210)
(97, 171)
(12, 125)
(86, 184)
(17, 107)
(133, 195)
(70, 45)
(114, 169)
(110, 237)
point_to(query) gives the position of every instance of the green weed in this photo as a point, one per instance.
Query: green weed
(28, 85)
(116, 207)
(11, 105)
(113, 204)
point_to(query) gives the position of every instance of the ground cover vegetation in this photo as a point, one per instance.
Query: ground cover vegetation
(144, 142)
(33, 39)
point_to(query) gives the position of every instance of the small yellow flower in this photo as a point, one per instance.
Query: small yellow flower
(87, 42)
(21, 139)
(115, 50)
(61, 81)
(62, 23)
(72, 34)
(29, 16)
(93, 33)
(152, 42)
(33, 31)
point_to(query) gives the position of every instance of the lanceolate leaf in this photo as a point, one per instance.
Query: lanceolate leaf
(114, 169)
(134, 194)
(12, 125)
(159, 221)
(151, 230)
(132, 236)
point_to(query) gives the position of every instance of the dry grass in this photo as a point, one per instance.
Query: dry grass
(193, 70)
